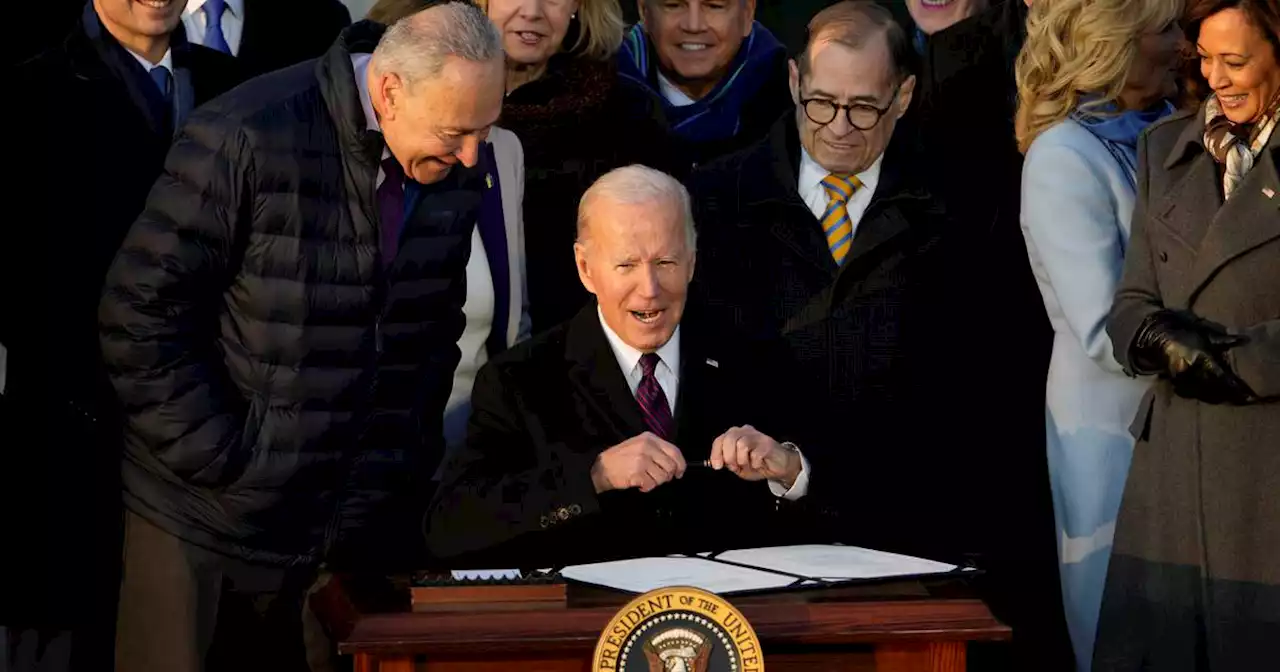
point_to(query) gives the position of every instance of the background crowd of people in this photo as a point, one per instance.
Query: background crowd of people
(986, 281)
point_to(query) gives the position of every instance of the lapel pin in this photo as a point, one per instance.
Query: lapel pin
(1271, 193)
(488, 180)
(714, 363)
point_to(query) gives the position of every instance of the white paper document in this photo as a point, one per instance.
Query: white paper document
(765, 569)
(485, 574)
(837, 563)
(644, 574)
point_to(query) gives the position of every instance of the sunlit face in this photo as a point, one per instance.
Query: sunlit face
(932, 16)
(532, 30)
(149, 18)
(697, 40)
(1154, 74)
(636, 259)
(1239, 63)
(434, 124)
(847, 76)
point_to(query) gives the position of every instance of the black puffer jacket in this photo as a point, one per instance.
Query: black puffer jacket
(268, 366)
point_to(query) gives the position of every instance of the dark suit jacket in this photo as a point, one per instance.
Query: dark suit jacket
(280, 33)
(520, 491)
(85, 157)
(871, 337)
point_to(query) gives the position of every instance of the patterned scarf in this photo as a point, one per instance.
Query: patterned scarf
(716, 116)
(1237, 145)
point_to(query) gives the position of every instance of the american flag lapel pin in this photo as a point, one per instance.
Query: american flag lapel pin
(1271, 193)
(713, 363)
(488, 180)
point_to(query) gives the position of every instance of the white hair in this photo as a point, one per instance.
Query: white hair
(639, 185)
(417, 46)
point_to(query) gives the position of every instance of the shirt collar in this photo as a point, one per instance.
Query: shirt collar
(812, 174)
(672, 93)
(236, 7)
(360, 67)
(629, 358)
(166, 60)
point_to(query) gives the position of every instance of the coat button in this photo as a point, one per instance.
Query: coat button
(574, 509)
(545, 522)
(1164, 257)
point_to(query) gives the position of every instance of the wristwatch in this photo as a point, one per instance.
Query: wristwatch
(791, 448)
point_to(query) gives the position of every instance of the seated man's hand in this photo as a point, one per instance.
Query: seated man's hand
(643, 461)
(754, 456)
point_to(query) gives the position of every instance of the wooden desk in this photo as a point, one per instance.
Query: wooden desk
(897, 627)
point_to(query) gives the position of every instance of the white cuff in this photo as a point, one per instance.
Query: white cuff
(799, 488)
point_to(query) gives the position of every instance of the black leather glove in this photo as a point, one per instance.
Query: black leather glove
(1189, 352)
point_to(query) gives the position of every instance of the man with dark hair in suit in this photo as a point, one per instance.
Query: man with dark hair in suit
(266, 35)
(101, 110)
(624, 431)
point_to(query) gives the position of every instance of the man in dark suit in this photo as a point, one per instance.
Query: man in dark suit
(824, 237)
(266, 35)
(593, 440)
(102, 111)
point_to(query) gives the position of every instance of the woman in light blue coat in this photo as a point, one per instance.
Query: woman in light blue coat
(1091, 76)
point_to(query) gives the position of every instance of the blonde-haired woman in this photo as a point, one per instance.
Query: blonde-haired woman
(577, 120)
(1091, 76)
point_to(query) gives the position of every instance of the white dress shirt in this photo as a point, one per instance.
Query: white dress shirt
(196, 21)
(669, 380)
(814, 194)
(166, 61)
(672, 93)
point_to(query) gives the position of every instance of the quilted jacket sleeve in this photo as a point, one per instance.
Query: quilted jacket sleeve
(158, 316)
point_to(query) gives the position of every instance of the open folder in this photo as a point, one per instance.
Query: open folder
(757, 569)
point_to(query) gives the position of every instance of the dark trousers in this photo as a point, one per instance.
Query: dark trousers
(184, 608)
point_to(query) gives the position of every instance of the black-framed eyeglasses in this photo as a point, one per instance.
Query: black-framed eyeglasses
(862, 116)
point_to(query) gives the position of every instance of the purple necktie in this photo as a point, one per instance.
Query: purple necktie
(391, 208)
(653, 401)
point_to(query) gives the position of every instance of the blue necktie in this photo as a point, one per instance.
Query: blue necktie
(163, 80)
(213, 37)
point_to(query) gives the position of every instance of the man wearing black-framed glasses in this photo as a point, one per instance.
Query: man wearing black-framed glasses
(823, 236)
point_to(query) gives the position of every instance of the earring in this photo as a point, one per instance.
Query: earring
(573, 16)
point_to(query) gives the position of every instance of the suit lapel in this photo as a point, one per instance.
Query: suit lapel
(493, 235)
(697, 394)
(878, 226)
(1246, 221)
(777, 200)
(184, 97)
(1189, 208)
(598, 380)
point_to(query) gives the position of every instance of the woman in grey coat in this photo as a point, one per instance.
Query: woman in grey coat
(1194, 580)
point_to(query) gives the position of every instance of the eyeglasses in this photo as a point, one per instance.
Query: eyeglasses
(862, 116)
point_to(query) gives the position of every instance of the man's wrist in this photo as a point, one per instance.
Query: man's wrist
(794, 464)
(598, 479)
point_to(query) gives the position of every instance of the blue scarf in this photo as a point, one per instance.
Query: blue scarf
(1119, 132)
(716, 115)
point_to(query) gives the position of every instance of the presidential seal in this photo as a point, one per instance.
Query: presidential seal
(678, 629)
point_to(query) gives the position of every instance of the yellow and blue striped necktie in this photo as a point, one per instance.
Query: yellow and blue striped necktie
(835, 221)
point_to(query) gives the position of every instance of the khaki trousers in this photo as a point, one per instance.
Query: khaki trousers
(184, 608)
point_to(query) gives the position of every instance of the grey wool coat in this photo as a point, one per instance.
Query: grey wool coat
(1194, 581)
